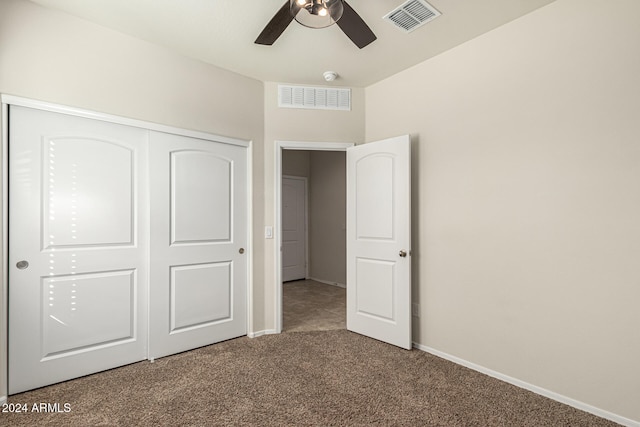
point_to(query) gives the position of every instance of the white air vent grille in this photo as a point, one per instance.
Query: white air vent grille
(316, 98)
(411, 15)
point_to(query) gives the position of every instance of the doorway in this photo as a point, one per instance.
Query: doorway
(323, 289)
(314, 274)
(378, 241)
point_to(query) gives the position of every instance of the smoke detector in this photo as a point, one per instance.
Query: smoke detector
(330, 75)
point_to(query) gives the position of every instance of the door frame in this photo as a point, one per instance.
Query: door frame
(306, 219)
(6, 101)
(279, 146)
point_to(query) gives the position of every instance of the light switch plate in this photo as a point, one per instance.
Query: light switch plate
(268, 232)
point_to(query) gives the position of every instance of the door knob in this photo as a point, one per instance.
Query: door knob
(241, 250)
(403, 253)
(22, 265)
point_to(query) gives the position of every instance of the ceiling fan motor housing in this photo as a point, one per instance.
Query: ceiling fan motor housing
(316, 13)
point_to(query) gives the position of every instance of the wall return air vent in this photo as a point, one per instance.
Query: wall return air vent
(411, 15)
(315, 98)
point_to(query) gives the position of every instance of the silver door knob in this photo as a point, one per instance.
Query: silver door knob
(403, 253)
(21, 265)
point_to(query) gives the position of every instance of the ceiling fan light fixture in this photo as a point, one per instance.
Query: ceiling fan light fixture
(316, 13)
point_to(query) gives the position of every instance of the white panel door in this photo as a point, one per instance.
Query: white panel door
(294, 229)
(379, 240)
(198, 273)
(77, 247)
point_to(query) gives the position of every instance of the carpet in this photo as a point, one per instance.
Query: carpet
(324, 378)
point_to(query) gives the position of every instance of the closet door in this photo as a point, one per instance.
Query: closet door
(198, 273)
(77, 247)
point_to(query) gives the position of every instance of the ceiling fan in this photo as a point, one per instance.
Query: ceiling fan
(318, 14)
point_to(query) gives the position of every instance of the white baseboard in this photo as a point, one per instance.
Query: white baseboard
(327, 282)
(533, 388)
(3, 400)
(261, 333)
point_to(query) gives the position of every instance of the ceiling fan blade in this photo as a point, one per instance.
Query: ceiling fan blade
(276, 26)
(355, 28)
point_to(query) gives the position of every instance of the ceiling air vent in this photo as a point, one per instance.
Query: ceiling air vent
(315, 98)
(411, 15)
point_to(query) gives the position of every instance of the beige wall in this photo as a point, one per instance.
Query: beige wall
(328, 216)
(527, 198)
(50, 56)
(296, 163)
(287, 124)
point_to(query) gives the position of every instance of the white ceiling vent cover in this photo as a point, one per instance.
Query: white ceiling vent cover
(411, 15)
(315, 98)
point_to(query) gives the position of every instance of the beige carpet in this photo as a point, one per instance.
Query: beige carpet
(326, 378)
(308, 305)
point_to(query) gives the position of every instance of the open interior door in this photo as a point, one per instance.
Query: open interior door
(379, 240)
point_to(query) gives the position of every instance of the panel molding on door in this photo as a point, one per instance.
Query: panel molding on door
(198, 270)
(188, 290)
(378, 240)
(190, 215)
(78, 247)
(92, 329)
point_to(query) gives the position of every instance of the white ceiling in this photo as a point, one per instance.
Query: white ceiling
(222, 33)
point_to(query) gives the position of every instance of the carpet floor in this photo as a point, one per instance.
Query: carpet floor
(308, 305)
(323, 378)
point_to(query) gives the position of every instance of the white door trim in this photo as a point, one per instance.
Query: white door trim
(290, 145)
(5, 102)
(4, 294)
(306, 220)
